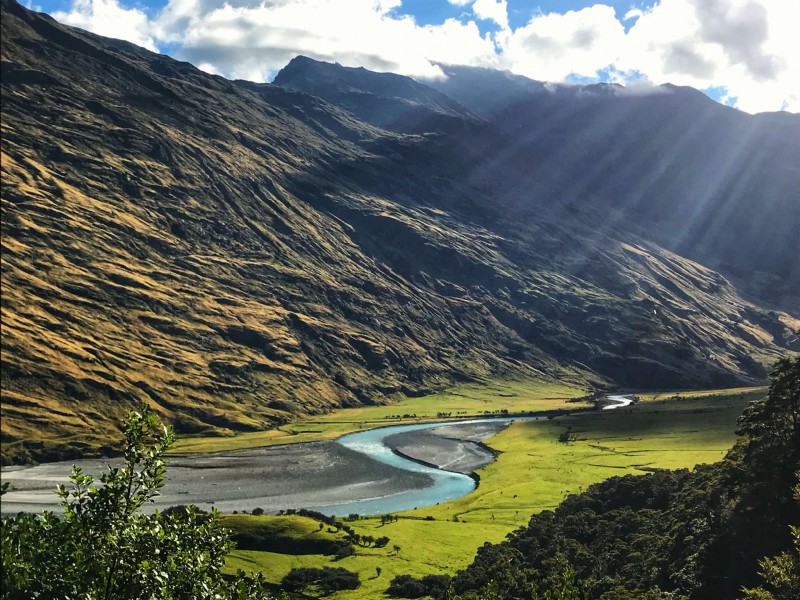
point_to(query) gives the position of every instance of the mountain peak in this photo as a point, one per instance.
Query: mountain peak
(369, 95)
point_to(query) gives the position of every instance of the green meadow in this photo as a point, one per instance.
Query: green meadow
(534, 471)
(464, 401)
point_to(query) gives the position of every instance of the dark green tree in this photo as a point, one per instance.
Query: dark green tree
(105, 546)
(781, 573)
(321, 582)
(773, 424)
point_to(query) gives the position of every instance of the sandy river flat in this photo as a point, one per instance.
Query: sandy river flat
(316, 474)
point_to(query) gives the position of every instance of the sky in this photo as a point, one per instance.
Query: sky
(743, 53)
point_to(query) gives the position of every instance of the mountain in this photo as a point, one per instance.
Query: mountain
(234, 254)
(703, 180)
(486, 92)
(386, 100)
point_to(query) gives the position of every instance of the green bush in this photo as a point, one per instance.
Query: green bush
(105, 547)
(325, 580)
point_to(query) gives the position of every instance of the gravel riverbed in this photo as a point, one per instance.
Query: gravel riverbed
(315, 474)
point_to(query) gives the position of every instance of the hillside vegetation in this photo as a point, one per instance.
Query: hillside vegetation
(533, 472)
(699, 533)
(235, 255)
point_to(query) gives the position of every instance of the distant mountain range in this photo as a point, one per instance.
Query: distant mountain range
(236, 253)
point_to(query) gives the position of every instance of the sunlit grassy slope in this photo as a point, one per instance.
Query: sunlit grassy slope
(534, 472)
(237, 256)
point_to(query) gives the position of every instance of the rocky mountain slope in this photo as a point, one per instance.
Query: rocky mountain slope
(234, 253)
(386, 100)
(666, 163)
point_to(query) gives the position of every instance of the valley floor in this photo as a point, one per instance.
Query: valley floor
(533, 472)
(312, 475)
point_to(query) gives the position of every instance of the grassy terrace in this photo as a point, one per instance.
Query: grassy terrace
(533, 471)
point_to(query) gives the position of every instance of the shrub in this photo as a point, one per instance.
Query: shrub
(406, 586)
(105, 547)
(327, 580)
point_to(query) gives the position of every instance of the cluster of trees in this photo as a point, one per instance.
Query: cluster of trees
(406, 586)
(445, 415)
(322, 581)
(565, 437)
(560, 586)
(388, 518)
(104, 546)
(368, 540)
(313, 514)
(781, 573)
(352, 536)
(718, 531)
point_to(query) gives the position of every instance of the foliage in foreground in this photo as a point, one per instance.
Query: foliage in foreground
(673, 534)
(104, 546)
(781, 573)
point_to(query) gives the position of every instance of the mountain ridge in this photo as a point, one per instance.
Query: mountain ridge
(236, 254)
(690, 191)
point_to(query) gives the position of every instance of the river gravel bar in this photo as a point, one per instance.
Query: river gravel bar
(454, 448)
(305, 475)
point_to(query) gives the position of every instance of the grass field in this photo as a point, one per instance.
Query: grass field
(533, 472)
(462, 401)
(289, 527)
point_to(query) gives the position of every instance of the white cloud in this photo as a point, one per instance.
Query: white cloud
(492, 10)
(253, 39)
(633, 13)
(554, 46)
(746, 47)
(209, 68)
(108, 18)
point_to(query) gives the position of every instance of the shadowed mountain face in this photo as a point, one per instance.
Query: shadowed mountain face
(705, 181)
(386, 100)
(234, 253)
